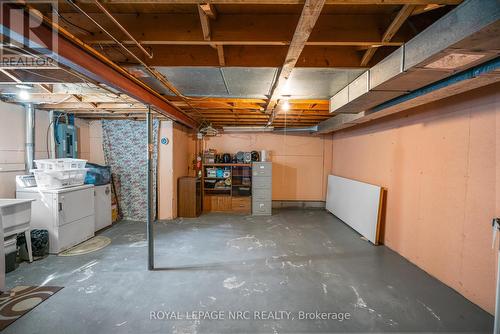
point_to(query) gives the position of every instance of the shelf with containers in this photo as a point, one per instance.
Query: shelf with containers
(227, 187)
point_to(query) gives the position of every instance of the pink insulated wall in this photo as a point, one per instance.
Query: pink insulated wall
(440, 164)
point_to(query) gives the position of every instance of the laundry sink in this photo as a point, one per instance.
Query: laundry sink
(15, 215)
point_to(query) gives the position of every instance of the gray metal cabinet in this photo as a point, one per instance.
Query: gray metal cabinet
(262, 188)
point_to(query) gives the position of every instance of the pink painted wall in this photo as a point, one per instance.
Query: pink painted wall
(300, 162)
(441, 166)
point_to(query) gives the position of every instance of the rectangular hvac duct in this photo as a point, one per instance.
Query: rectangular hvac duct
(463, 38)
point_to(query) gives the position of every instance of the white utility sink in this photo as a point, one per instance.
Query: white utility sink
(15, 215)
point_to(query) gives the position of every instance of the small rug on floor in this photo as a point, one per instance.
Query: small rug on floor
(22, 299)
(88, 246)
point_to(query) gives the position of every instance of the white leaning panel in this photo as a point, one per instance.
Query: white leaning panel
(355, 203)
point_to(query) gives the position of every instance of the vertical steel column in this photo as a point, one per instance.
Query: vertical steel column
(30, 136)
(150, 231)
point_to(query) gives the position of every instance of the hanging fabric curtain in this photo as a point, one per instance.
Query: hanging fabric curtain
(125, 150)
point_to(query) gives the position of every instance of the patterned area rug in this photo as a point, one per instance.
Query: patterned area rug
(20, 300)
(88, 246)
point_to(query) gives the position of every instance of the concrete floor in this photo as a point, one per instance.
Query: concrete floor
(296, 260)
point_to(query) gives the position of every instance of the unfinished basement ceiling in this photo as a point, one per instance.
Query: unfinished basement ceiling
(220, 63)
(255, 82)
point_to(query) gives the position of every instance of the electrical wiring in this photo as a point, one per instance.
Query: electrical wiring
(72, 24)
(42, 75)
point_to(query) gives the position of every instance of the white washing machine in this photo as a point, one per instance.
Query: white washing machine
(68, 214)
(102, 205)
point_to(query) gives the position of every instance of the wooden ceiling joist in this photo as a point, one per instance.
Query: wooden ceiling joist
(203, 35)
(362, 43)
(220, 54)
(11, 76)
(229, 29)
(46, 88)
(209, 10)
(205, 23)
(393, 28)
(307, 21)
(284, 2)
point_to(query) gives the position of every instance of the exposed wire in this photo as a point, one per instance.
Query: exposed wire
(72, 24)
(42, 75)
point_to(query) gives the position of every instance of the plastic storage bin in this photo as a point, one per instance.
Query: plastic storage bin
(60, 164)
(56, 179)
(97, 175)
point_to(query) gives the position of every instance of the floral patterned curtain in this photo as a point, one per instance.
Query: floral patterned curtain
(125, 150)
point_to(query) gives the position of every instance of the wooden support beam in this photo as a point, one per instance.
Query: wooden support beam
(285, 2)
(233, 29)
(220, 54)
(393, 28)
(11, 76)
(425, 8)
(73, 55)
(309, 16)
(250, 43)
(47, 88)
(205, 23)
(264, 45)
(78, 97)
(398, 21)
(94, 105)
(209, 10)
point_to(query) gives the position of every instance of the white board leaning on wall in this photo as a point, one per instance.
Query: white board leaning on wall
(357, 204)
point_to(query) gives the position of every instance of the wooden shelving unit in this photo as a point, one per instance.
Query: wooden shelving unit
(236, 196)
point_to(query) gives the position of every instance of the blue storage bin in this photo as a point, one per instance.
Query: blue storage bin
(97, 175)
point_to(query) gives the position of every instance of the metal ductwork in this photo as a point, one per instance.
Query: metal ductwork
(243, 129)
(309, 129)
(464, 38)
(30, 136)
(479, 76)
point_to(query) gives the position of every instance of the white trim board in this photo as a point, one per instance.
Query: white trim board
(357, 204)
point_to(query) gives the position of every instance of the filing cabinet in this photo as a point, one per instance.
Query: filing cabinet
(262, 188)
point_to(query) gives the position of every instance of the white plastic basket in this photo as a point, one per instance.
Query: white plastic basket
(60, 164)
(56, 179)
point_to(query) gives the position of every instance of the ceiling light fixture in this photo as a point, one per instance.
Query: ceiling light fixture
(23, 95)
(24, 86)
(286, 105)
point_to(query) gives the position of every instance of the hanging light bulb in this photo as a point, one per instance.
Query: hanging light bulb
(23, 95)
(286, 105)
(24, 86)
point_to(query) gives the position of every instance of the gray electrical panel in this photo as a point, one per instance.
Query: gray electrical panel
(262, 173)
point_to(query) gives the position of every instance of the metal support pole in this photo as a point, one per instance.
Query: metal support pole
(30, 136)
(150, 232)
